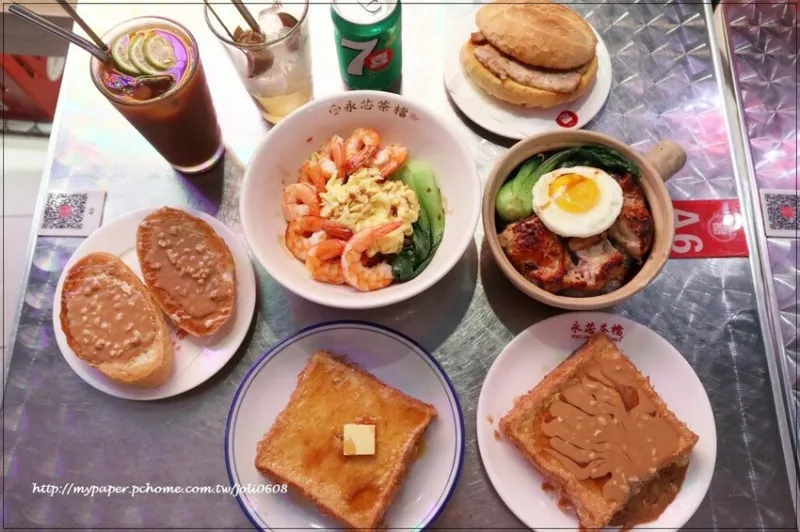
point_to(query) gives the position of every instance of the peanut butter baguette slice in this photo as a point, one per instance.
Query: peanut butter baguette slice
(189, 270)
(112, 322)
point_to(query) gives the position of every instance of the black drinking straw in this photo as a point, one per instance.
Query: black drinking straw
(211, 9)
(38, 20)
(84, 26)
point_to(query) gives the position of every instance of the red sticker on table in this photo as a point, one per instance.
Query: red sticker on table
(567, 119)
(64, 210)
(379, 59)
(708, 229)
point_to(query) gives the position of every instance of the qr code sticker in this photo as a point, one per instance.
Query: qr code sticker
(780, 211)
(72, 213)
(65, 211)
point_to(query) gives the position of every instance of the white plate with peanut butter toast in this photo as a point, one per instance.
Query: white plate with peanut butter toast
(587, 420)
(207, 284)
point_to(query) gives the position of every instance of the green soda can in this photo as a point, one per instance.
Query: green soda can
(369, 42)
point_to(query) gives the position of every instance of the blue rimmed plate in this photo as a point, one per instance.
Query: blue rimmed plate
(394, 359)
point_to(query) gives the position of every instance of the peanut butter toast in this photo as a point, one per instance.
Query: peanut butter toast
(112, 323)
(304, 448)
(597, 430)
(188, 268)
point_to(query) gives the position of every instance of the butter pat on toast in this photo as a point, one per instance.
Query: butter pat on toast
(597, 431)
(304, 447)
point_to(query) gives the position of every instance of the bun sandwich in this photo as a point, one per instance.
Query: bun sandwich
(532, 55)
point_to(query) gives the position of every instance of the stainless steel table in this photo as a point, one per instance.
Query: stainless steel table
(763, 46)
(58, 430)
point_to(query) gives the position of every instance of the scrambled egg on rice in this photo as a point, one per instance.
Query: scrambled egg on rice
(366, 201)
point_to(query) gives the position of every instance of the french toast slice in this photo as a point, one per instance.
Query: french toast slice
(304, 447)
(597, 431)
(112, 322)
(188, 268)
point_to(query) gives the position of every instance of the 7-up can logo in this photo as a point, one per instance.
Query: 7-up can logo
(369, 42)
(367, 56)
(379, 59)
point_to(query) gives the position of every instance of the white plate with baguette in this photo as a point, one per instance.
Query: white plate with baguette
(174, 359)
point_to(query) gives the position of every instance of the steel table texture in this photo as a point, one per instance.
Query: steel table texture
(763, 45)
(59, 430)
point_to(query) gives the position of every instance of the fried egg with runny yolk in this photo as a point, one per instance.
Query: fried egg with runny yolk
(577, 202)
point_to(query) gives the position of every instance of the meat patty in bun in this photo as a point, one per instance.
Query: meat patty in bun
(533, 55)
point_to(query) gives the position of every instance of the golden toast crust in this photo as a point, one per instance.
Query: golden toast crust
(594, 511)
(303, 448)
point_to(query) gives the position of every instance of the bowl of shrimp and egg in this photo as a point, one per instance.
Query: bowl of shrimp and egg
(354, 193)
(317, 178)
(351, 214)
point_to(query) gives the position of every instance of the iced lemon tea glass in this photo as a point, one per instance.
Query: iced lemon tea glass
(274, 65)
(157, 82)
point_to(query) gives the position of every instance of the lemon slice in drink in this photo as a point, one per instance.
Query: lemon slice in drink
(158, 52)
(119, 52)
(136, 54)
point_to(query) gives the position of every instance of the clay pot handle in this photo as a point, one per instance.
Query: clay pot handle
(667, 158)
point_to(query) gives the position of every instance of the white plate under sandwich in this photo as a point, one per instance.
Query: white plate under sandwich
(533, 354)
(513, 121)
(391, 357)
(196, 359)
